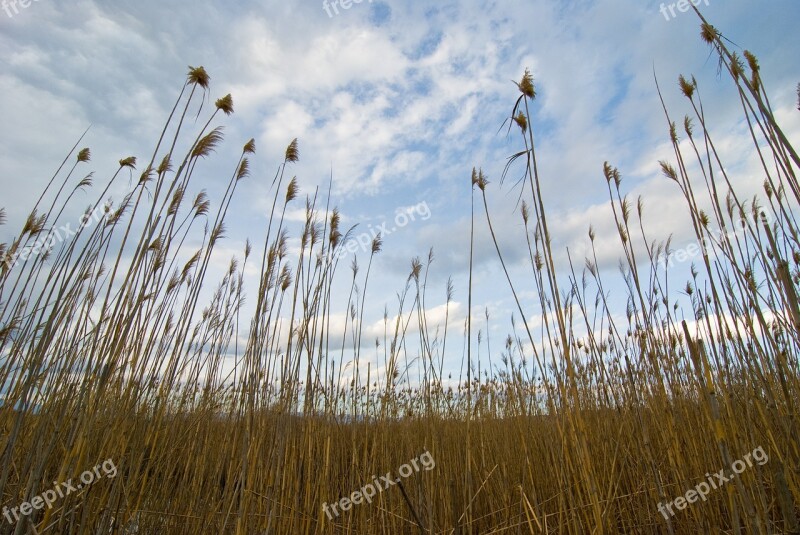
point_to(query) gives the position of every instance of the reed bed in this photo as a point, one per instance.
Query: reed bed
(584, 423)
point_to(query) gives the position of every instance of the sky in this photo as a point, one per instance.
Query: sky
(396, 102)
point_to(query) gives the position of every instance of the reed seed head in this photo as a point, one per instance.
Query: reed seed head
(207, 143)
(244, 169)
(377, 243)
(668, 170)
(198, 76)
(416, 268)
(526, 86)
(708, 33)
(201, 204)
(292, 152)
(755, 70)
(737, 66)
(130, 161)
(146, 176)
(482, 180)
(522, 122)
(686, 88)
(688, 126)
(165, 165)
(225, 104)
(291, 190)
(612, 172)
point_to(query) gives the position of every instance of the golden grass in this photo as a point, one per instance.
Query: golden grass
(107, 353)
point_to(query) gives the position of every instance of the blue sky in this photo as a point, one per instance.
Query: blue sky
(398, 100)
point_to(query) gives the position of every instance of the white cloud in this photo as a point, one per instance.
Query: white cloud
(399, 112)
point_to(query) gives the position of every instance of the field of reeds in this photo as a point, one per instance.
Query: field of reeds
(592, 418)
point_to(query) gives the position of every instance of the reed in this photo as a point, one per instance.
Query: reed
(582, 424)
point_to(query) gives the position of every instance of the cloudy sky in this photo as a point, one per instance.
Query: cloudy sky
(397, 101)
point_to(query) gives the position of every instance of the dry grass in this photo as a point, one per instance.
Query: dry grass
(107, 353)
